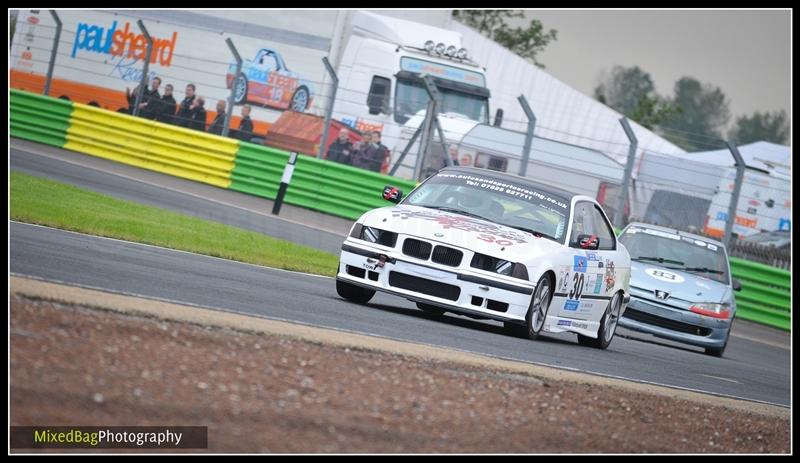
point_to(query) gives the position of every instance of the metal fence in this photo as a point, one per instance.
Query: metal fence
(769, 255)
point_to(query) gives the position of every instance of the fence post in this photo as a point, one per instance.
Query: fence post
(434, 95)
(329, 111)
(430, 124)
(526, 149)
(619, 220)
(234, 86)
(443, 141)
(285, 180)
(52, 63)
(737, 187)
(145, 69)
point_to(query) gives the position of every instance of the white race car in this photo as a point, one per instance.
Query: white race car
(493, 246)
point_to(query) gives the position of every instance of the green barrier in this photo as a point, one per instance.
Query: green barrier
(258, 169)
(39, 118)
(766, 293)
(329, 187)
(339, 189)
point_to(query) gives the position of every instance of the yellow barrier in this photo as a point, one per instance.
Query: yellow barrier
(152, 145)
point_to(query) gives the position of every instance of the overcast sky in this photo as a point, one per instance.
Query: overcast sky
(746, 53)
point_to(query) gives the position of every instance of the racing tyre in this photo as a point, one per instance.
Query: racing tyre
(299, 100)
(608, 325)
(240, 94)
(537, 313)
(354, 293)
(431, 309)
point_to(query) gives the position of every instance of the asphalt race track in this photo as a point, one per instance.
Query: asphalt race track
(751, 369)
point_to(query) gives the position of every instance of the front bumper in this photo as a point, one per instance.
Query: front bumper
(458, 289)
(675, 324)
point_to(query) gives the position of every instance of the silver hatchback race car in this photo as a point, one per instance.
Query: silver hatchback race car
(681, 287)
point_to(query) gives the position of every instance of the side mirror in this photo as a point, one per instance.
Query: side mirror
(588, 241)
(392, 194)
(737, 285)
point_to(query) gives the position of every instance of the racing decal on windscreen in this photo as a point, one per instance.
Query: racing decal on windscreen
(540, 198)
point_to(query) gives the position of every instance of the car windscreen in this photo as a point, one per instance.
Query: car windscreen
(500, 201)
(677, 252)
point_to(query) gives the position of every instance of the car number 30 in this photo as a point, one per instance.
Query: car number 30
(577, 288)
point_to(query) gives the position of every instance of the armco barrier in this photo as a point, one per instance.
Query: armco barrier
(339, 189)
(39, 118)
(766, 293)
(258, 170)
(324, 186)
(152, 145)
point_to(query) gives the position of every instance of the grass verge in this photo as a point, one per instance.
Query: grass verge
(45, 202)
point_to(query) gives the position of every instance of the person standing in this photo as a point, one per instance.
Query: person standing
(197, 117)
(245, 131)
(382, 154)
(150, 102)
(341, 150)
(219, 122)
(166, 112)
(370, 155)
(184, 116)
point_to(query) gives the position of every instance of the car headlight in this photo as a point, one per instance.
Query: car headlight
(503, 267)
(374, 235)
(713, 310)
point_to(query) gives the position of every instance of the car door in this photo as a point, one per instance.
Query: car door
(582, 286)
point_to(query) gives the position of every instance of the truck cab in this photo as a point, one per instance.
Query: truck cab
(381, 73)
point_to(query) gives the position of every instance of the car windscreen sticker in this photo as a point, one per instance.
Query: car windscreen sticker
(540, 198)
(712, 247)
(664, 276)
(700, 243)
(662, 234)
